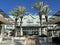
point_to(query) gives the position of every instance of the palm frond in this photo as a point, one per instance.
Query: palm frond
(18, 11)
(46, 10)
(38, 6)
(21, 10)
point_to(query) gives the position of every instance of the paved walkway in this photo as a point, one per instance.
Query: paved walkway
(18, 43)
(29, 41)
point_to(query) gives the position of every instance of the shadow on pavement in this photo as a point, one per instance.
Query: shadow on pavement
(18, 43)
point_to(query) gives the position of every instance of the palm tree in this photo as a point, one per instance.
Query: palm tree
(46, 12)
(39, 6)
(15, 14)
(21, 12)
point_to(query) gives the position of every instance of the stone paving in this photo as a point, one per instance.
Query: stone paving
(27, 42)
(18, 43)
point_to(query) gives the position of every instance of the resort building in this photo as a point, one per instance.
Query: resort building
(30, 25)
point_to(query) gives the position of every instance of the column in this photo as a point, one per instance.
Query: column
(16, 34)
(46, 31)
(3, 26)
(52, 34)
(8, 33)
(39, 31)
(21, 32)
(2, 32)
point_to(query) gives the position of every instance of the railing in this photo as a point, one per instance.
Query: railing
(7, 39)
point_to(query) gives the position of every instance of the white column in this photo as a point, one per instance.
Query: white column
(21, 32)
(15, 33)
(39, 31)
(46, 32)
(52, 34)
(9, 33)
(2, 30)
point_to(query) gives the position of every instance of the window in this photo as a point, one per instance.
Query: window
(8, 25)
(38, 21)
(29, 21)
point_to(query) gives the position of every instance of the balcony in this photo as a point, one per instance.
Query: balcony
(9, 27)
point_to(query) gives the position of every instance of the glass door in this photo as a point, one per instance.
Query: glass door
(30, 32)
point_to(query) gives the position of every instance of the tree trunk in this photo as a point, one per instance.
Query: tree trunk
(47, 28)
(40, 17)
(15, 27)
(20, 24)
(47, 22)
(46, 18)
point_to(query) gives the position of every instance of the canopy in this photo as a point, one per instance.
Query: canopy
(55, 20)
(3, 20)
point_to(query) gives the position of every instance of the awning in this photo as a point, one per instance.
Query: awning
(55, 20)
(3, 20)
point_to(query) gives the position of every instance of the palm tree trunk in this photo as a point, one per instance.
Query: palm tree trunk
(40, 15)
(47, 28)
(15, 27)
(46, 18)
(20, 24)
(47, 22)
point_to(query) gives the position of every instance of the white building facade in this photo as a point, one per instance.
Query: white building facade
(31, 25)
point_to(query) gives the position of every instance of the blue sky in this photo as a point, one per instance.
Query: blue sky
(8, 5)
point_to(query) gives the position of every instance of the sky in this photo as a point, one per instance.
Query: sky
(8, 5)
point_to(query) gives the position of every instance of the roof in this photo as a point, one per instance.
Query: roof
(57, 13)
(3, 13)
(3, 20)
(55, 20)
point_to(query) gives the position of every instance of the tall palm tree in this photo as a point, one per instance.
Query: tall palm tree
(21, 12)
(46, 12)
(39, 6)
(15, 14)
